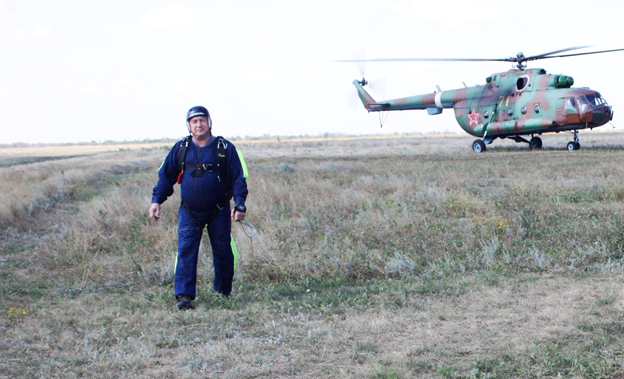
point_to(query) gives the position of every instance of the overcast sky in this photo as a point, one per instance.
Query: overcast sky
(80, 70)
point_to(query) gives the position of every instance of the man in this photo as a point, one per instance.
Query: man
(210, 172)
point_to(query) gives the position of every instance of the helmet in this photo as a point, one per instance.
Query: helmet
(197, 111)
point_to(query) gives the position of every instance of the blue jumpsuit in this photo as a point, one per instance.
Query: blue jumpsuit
(201, 191)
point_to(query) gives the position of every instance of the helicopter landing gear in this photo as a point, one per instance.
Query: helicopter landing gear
(574, 145)
(478, 146)
(534, 143)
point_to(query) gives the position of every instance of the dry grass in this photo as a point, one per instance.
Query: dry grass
(27, 188)
(385, 257)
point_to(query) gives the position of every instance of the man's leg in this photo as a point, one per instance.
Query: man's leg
(219, 232)
(189, 237)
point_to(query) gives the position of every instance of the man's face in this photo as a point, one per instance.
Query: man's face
(199, 126)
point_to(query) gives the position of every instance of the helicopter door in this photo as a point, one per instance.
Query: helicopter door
(567, 111)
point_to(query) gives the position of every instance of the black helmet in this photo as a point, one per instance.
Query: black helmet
(197, 111)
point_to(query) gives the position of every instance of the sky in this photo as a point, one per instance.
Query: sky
(87, 70)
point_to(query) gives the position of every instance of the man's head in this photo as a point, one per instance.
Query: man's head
(198, 122)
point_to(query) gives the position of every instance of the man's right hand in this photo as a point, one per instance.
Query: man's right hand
(154, 211)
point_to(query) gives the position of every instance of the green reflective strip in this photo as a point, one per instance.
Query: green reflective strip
(161, 165)
(243, 164)
(175, 265)
(234, 251)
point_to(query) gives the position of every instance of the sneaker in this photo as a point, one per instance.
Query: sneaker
(184, 302)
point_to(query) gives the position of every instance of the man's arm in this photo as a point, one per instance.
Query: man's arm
(238, 170)
(167, 177)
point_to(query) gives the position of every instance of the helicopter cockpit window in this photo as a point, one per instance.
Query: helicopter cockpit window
(570, 105)
(601, 99)
(521, 83)
(583, 104)
(593, 101)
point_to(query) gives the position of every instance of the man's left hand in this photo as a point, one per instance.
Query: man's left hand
(237, 216)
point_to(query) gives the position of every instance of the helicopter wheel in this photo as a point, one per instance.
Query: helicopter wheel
(478, 146)
(535, 143)
(574, 146)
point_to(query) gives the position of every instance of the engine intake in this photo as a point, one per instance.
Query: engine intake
(561, 81)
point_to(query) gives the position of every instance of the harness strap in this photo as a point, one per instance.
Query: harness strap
(213, 215)
(222, 167)
(208, 167)
(182, 156)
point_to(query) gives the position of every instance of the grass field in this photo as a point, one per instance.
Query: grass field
(375, 257)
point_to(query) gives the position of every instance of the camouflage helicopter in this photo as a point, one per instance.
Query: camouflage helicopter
(514, 104)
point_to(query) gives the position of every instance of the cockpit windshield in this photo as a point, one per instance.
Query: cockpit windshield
(594, 100)
(601, 99)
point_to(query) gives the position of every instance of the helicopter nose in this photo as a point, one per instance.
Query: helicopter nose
(609, 113)
(605, 113)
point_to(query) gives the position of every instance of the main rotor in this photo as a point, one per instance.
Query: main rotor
(519, 60)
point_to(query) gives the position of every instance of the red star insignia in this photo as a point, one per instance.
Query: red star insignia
(474, 116)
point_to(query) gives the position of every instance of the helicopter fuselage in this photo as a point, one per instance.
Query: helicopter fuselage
(513, 103)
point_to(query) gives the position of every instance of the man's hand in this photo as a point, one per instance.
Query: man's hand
(237, 216)
(154, 211)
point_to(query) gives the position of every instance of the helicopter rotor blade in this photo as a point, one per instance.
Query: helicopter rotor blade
(519, 59)
(352, 101)
(378, 86)
(424, 60)
(359, 57)
(545, 55)
(590, 52)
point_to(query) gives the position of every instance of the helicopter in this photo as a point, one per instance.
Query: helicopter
(515, 104)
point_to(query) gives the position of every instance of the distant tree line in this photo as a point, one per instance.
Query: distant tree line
(235, 138)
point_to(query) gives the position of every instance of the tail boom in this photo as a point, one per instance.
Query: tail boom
(432, 102)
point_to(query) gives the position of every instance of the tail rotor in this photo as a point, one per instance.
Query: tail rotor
(377, 86)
